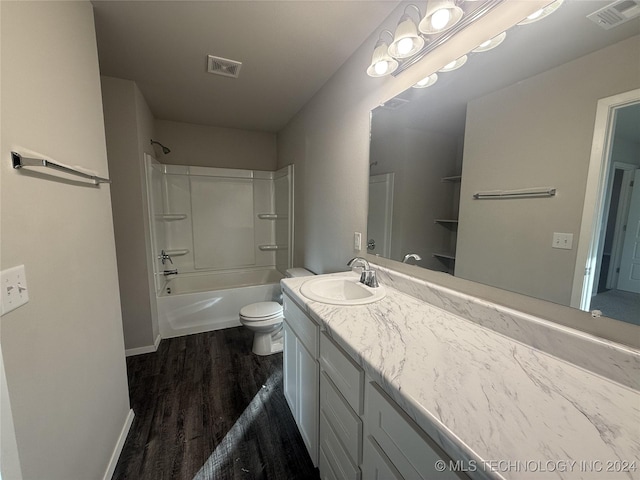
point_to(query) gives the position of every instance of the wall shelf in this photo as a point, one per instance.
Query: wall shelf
(445, 256)
(447, 221)
(453, 179)
(168, 217)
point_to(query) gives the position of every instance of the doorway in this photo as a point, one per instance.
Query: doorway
(611, 280)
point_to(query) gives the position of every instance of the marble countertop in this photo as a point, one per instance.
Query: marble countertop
(505, 408)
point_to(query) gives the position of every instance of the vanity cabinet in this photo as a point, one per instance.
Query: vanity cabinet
(301, 373)
(352, 429)
(395, 446)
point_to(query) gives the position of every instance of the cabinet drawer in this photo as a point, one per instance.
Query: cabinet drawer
(346, 425)
(408, 447)
(326, 473)
(305, 329)
(337, 459)
(343, 372)
(376, 465)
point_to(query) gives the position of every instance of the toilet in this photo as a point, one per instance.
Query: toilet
(265, 319)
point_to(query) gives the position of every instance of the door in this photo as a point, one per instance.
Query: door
(380, 214)
(629, 279)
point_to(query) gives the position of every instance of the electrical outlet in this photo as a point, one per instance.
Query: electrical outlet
(13, 283)
(357, 241)
(562, 240)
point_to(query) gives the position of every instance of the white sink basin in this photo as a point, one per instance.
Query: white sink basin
(341, 291)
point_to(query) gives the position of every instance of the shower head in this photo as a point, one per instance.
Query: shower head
(165, 150)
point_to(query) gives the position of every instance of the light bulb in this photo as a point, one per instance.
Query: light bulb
(427, 81)
(440, 18)
(381, 67)
(535, 14)
(405, 45)
(449, 65)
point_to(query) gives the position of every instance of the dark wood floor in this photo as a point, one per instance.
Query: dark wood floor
(207, 408)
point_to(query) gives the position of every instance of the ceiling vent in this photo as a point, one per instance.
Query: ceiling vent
(616, 13)
(223, 66)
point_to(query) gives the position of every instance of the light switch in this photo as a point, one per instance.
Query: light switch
(562, 240)
(13, 283)
(357, 241)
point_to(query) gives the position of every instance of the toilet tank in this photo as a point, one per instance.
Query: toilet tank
(298, 272)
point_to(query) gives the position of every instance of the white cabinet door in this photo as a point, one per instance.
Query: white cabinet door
(289, 374)
(301, 381)
(308, 399)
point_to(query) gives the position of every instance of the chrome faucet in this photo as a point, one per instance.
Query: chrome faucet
(415, 256)
(164, 256)
(368, 276)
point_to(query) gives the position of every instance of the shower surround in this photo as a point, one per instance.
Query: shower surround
(229, 234)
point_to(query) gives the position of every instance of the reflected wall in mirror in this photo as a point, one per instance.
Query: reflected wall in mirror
(519, 117)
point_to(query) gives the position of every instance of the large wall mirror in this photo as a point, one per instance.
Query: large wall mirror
(485, 174)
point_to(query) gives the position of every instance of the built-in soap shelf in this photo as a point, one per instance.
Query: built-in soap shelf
(271, 248)
(272, 216)
(168, 217)
(177, 253)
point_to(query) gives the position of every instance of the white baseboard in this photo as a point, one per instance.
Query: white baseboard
(142, 350)
(111, 467)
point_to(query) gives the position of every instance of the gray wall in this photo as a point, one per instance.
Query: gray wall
(63, 351)
(508, 243)
(207, 146)
(328, 141)
(129, 128)
(419, 159)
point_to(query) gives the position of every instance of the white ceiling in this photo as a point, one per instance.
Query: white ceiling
(289, 49)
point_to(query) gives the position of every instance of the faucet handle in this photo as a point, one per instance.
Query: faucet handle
(369, 278)
(164, 256)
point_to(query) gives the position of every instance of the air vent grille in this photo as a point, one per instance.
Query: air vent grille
(616, 13)
(223, 66)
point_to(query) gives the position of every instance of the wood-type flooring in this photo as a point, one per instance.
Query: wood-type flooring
(207, 408)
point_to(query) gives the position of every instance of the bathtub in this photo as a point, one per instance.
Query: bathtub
(195, 302)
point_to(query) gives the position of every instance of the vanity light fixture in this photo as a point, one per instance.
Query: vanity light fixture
(542, 13)
(441, 15)
(456, 64)
(442, 21)
(491, 43)
(427, 81)
(407, 40)
(381, 62)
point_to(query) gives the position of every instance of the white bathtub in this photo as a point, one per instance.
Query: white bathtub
(203, 302)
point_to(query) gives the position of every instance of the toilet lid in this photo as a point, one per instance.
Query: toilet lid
(261, 310)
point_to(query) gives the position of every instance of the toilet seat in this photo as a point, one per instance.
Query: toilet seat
(261, 311)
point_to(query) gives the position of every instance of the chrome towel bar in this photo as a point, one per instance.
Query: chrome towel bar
(19, 161)
(531, 192)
